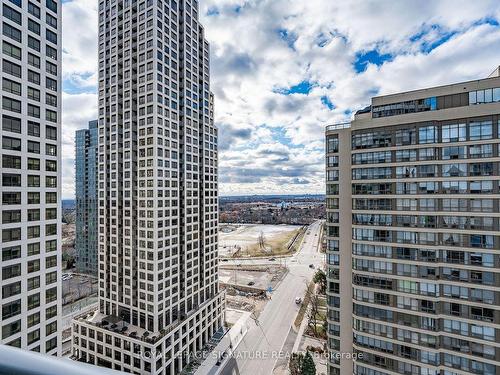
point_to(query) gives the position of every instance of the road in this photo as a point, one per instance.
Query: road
(259, 350)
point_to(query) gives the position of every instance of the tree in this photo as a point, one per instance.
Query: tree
(308, 366)
(295, 364)
(320, 278)
(313, 312)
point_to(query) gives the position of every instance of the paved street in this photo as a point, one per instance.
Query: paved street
(257, 353)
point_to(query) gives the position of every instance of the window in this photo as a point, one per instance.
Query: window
(51, 132)
(52, 5)
(50, 115)
(12, 252)
(12, 32)
(11, 50)
(11, 216)
(11, 105)
(33, 60)
(33, 77)
(11, 309)
(51, 100)
(34, 232)
(9, 143)
(51, 261)
(33, 197)
(33, 26)
(34, 215)
(33, 319)
(33, 248)
(11, 68)
(11, 329)
(50, 213)
(453, 133)
(480, 130)
(9, 161)
(12, 14)
(51, 84)
(50, 312)
(11, 124)
(51, 68)
(34, 147)
(13, 234)
(51, 36)
(34, 300)
(51, 295)
(33, 111)
(33, 9)
(9, 198)
(33, 181)
(50, 245)
(50, 52)
(51, 20)
(51, 150)
(33, 129)
(11, 289)
(50, 197)
(34, 282)
(33, 94)
(51, 181)
(51, 165)
(11, 86)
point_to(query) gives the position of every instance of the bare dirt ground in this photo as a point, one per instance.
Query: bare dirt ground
(258, 277)
(246, 240)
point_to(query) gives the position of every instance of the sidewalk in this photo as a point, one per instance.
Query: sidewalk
(215, 361)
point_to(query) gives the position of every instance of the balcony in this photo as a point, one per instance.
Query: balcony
(24, 362)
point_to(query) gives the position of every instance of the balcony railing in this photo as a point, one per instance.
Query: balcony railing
(24, 362)
(342, 125)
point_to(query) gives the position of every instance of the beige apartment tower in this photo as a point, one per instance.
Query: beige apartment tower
(413, 234)
(159, 299)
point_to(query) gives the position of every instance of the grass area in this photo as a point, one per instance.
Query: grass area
(305, 303)
(276, 245)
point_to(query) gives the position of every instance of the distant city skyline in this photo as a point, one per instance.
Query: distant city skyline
(294, 67)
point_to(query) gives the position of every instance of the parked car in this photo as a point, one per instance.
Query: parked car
(298, 300)
(311, 266)
(250, 283)
(272, 259)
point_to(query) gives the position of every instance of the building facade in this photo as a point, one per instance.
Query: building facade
(159, 299)
(86, 151)
(413, 233)
(31, 175)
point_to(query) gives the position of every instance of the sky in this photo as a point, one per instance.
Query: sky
(283, 69)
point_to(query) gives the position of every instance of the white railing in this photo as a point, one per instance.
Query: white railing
(342, 125)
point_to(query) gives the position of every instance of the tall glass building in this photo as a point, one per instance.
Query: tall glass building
(86, 151)
(414, 233)
(30, 259)
(159, 298)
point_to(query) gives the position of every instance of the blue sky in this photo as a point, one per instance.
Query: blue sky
(282, 69)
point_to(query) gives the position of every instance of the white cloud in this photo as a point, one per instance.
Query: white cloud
(270, 142)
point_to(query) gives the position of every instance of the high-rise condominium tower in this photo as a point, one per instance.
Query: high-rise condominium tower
(31, 175)
(413, 233)
(86, 150)
(159, 298)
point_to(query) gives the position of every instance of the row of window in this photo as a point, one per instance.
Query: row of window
(14, 144)
(15, 234)
(33, 197)
(421, 171)
(485, 241)
(422, 204)
(422, 154)
(425, 255)
(459, 132)
(14, 216)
